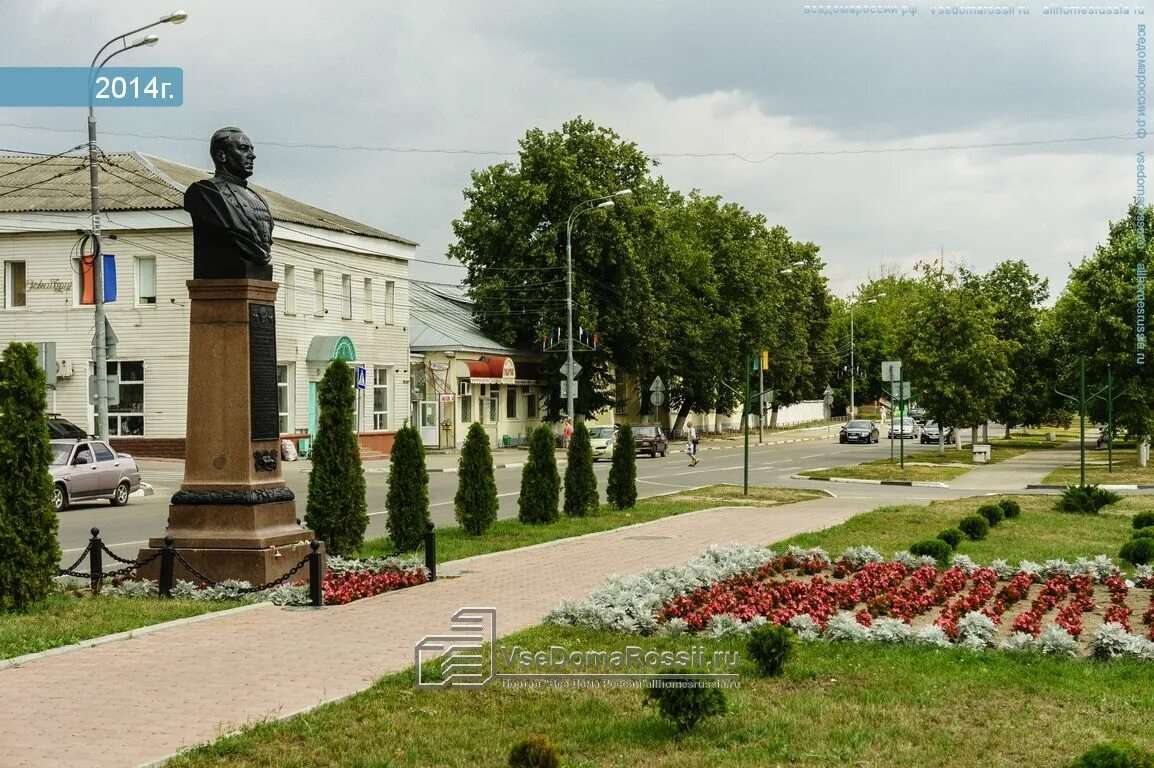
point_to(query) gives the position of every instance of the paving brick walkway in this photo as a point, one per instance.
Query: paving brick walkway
(161, 692)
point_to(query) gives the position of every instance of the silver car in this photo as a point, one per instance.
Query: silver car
(90, 469)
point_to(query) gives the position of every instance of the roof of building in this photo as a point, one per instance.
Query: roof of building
(441, 318)
(135, 182)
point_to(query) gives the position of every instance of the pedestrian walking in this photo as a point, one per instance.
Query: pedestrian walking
(691, 446)
(567, 433)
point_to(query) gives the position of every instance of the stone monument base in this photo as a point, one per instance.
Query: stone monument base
(250, 542)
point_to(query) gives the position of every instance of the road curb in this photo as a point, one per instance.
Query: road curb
(864, 481)
(1115, 487)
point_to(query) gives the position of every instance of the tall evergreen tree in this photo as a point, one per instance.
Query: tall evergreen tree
(337, 510)
(29, 550)
(581, 496)
(540, 483)
(407, 501)
(476, 501)
(622, 488)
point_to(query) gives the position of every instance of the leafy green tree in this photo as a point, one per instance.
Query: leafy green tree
(621, 490)
(540, 483)
(950, 351)
(476, 502)
(29, 550)
(581, 495)
(407, 500)
(1095, 318)
(336, 509)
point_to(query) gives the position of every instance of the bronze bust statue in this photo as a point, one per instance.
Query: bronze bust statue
(231, 223)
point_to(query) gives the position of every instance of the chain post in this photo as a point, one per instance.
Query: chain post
(167, 558)
(431, 550)
(95, 560)
(316, 594)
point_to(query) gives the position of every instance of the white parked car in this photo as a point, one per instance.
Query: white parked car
(602, 440)
(90, 469)
(905, 428)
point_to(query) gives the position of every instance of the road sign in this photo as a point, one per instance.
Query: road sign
(904, 391)
(657, 386)
(113, 389)
(565, 368)
(565, 389)
(892, 370)
(657, 397)
(362, 377)
(828, 395)
(446, 397)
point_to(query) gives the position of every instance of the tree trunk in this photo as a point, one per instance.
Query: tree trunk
(986, 433)
(679, 421)
(1007, 431)
(1143, 450)
(973, 437)
(941, 440)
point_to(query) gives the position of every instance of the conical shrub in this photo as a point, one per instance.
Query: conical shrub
(581, 496)
(407, 501)
(621, 490)
(476, 503)
(337, 511)
(540, 483)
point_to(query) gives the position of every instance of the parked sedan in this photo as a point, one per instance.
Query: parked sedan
(858, 431)
(602, 440)
(931, 431)
(90, 469)
(650, 439)
(903, 429)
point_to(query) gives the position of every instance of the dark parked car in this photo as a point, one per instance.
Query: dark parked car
(930, 433)
(63, 429)
(918, 415)
(650, 439)
(858, 431)
(90, 469)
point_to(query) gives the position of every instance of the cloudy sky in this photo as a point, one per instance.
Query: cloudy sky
(867, 134)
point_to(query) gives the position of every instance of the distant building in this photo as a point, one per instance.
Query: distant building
(343, 295)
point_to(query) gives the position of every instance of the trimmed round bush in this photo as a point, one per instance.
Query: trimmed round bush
(1144, 533)
(535, 752)
(771, 646)
(952, 536)
(993, 514)
(975, 527)
(685, 707)
(1137, 551)
(1010, 508)
(935, 548)
(1115, 754)
(1143, 520)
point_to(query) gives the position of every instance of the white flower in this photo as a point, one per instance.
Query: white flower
(806, 626)
(891, 631)
(1019, 641)
(844, 628)
(932, 635)
(1057, 641)
(976, 630)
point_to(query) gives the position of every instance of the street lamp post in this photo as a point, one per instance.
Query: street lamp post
(852, 371)
(605, 201)
(100, 341)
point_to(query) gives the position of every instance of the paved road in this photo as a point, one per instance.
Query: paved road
(126, 528)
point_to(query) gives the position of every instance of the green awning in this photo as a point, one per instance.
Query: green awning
(322, 349)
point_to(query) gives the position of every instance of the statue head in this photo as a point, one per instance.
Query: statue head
(232, 152)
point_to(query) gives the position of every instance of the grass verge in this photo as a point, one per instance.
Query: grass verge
(453, 543)
(887, 471)
(65, 618)
(1126, 470)
(836, 704)
(1040, 534)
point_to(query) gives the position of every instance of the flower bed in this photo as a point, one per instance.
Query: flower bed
(1056, 607)
(345, 580)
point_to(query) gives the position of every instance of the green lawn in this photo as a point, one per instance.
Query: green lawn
(1039, 534)
(837, 704)
(453, 543)
(887, 471)
(65, 618)
(1126, 469)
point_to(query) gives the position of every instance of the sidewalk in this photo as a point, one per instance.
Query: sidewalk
(1015, 473)
(193, 682)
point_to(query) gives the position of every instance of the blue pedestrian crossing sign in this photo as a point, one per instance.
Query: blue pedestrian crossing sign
(362, 377)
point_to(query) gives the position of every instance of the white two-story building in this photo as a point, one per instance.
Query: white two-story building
(343, 295)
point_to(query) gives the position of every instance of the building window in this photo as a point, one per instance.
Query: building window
(284, 397)
(318, 292)
(466, 408)
(510, 402)
(390, 299)
(347, 297)
(380, 398)
(490, 404)
(290, 289)
(127, 416)
(368, 300)
(620, 395)
(530, 405)
(15, 284)
(145, 279)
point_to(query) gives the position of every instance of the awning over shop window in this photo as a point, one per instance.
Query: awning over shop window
(322, 349)
(491, 370)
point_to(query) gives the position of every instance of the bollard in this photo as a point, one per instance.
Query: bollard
(431, 550)
(95, 561)
(316, 593)
(167, 563)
